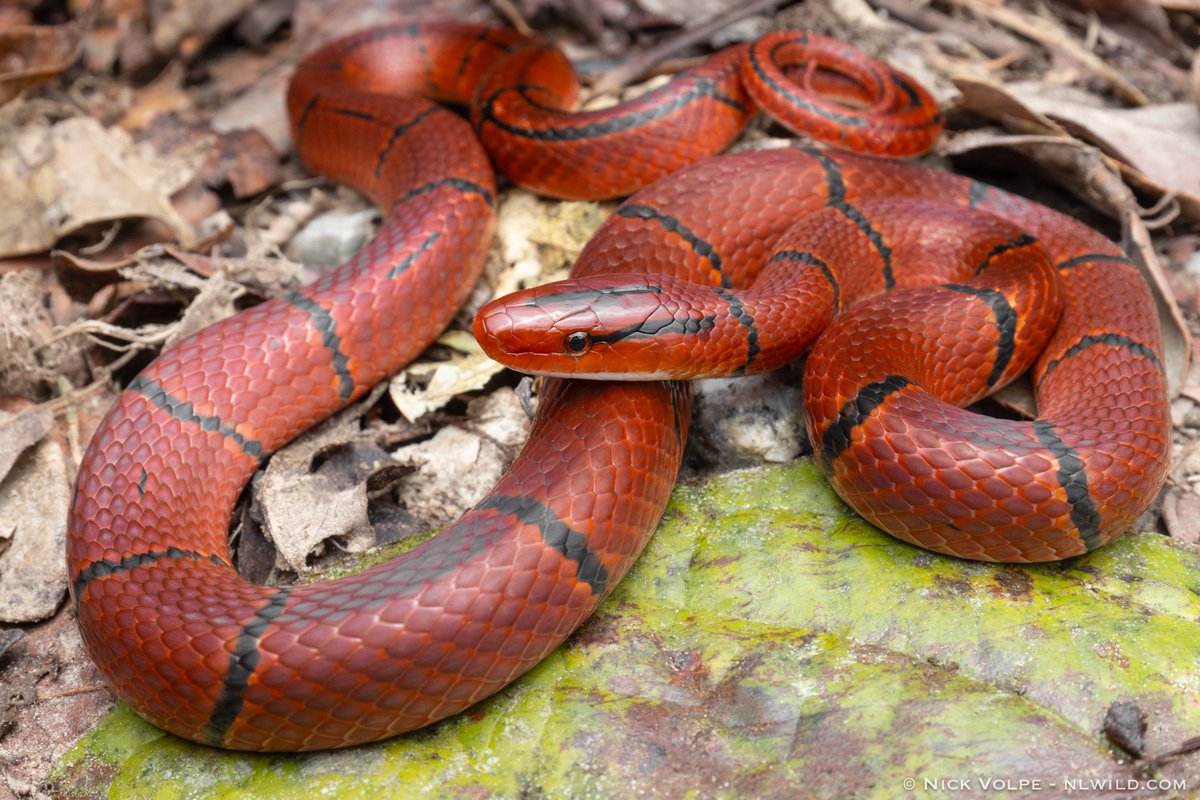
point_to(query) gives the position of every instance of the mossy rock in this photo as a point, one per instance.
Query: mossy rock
(769, 642)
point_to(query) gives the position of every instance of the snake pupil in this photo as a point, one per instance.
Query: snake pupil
(578, 343)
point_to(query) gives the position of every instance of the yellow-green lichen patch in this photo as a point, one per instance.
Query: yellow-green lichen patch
(370, 558)
(768, 642)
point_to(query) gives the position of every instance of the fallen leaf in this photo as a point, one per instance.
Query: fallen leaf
(300, 527)
(30, 54)
(1161, 142)
(447, 379)
(258, 108)
(163, 95)
(1099, 178)
(20, 432)
(61, 177)
(453, 470)
(34, 496)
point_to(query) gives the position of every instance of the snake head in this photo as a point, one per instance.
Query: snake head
(618, 326)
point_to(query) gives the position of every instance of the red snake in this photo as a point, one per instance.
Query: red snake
(199, 651)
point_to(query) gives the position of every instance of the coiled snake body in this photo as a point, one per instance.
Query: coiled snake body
(199, 651)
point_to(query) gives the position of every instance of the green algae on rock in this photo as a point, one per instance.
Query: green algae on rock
(769, 642)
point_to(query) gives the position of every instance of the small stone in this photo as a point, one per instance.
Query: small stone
(333, 238)
(743, 421)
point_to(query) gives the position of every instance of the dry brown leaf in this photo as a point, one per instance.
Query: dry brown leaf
(259, 108)
(1162, 142)
(30, 54)
(453, 470)
(20, 432)
(447, 380)
(162, 95)
(299, 526)
(34, 497)
(246, 159)
(1098, 178)
(60, 177)
(994, 101)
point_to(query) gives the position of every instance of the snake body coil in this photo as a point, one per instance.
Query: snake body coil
(199, 651)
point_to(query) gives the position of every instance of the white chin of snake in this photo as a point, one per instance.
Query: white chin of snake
(612, 376)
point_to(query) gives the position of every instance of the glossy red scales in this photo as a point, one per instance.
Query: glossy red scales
(196, 649)
(883, 380)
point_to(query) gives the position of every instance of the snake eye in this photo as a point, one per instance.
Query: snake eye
(578, 343)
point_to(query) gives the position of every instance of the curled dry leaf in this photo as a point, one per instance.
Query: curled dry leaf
(60, 177)
(300, 527)
(1079, 167)
(1160, 143)
(34, 496)
(446, 379)
(20, 432)
(1153, 148)
(455, 468)
(30, 54)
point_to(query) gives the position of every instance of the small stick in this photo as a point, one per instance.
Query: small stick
(1049, 35)
(996, 45)
(638, 64)
(91, 687)
(509, 11)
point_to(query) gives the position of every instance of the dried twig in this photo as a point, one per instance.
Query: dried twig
(995, 44)
(1049, 35)
(91, 687)
(509, 11)
(638, 64)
